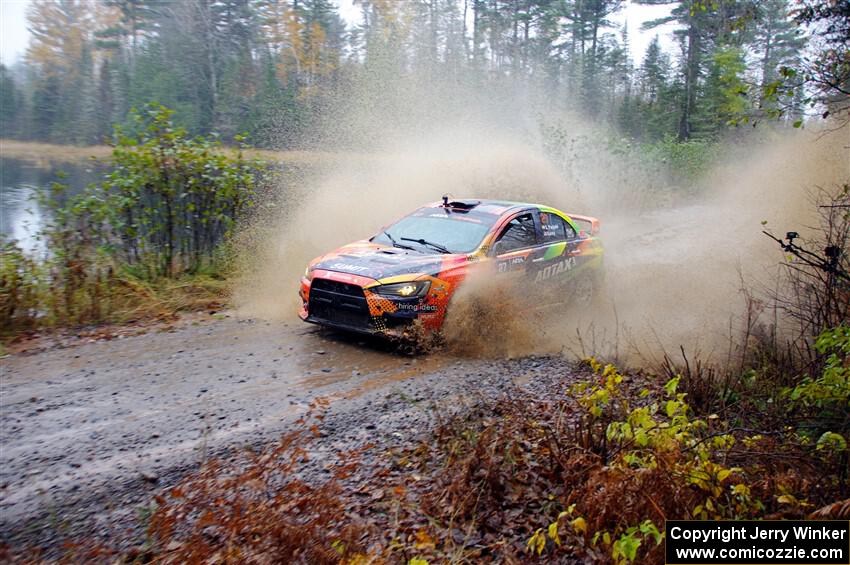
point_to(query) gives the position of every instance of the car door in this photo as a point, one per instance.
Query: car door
(554, 262)
(515, 244)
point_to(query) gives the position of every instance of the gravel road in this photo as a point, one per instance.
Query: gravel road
(89, 433)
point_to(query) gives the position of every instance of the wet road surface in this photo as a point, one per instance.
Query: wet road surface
(96, 428)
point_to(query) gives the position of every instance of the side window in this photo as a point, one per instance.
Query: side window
(571, 233)
(555, 228)
(519, 233)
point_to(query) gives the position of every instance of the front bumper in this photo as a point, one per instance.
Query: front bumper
(339, 301)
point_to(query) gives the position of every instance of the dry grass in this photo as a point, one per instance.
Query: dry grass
(46, 154)
(122, 300)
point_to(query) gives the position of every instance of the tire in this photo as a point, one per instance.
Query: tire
(584, 292)
(589, 293)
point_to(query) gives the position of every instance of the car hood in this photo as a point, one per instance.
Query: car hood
(377, 262)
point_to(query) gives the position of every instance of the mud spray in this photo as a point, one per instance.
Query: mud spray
(676, 256)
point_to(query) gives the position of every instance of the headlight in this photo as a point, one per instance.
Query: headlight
(404, 290)
(307, 272)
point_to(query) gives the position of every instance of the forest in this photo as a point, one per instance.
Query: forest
(276, 69)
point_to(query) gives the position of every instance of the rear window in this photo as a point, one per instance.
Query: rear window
(555, 228)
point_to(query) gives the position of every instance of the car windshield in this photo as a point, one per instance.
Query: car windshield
(457, 235)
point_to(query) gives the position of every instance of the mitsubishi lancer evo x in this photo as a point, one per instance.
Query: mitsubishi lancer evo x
(407, 273)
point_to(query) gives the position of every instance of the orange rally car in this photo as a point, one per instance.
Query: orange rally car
(406, 274)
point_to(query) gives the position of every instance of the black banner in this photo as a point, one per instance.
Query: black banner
(768, 542)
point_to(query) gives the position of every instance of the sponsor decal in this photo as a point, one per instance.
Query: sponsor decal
(349, 267)
(555, 250)
(556, 269)
(506, 265)
(417, 307)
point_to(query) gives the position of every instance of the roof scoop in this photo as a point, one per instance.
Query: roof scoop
(459, 204)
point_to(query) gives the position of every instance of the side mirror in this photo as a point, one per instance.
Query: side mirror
(498, 248)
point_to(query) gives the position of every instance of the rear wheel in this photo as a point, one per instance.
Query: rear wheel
(584, 292)
(589, 292)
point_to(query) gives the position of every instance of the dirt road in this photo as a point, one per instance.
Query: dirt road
(90, 432)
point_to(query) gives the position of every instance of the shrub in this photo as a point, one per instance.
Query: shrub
(166, 209)
(20, 288)
(172, 199)
(823, 403)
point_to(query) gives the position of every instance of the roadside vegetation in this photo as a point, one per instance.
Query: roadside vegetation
(148, 240)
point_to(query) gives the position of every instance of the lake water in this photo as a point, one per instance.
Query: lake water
(21, 217)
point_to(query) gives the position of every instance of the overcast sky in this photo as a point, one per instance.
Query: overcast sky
(14, 35)
(13, 30)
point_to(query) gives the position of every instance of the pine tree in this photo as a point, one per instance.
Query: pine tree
(105, 116)
(777, 42)
(658, 105)
(10, 104)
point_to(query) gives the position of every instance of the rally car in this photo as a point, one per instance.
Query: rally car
(406, 274)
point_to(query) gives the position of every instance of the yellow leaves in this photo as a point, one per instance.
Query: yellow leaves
(301, 46)
(792, 500)
(537, 542)
(553, 533)
(579, 525)
(741, 490)
(423, 540)
(832, 442)
(671, 386)
(604, 534)
(625, 549)
(417, 561)
(594, 365)
(752, 441)
(595, 400)
(387, 10)
(725, 441)
(59, 31)
(338, 546)
(611, 371)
